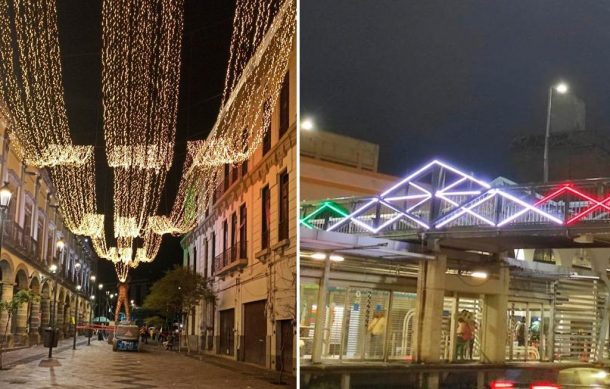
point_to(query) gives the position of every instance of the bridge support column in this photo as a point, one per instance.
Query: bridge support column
(494, 321)
(430, 297)
(318, 336)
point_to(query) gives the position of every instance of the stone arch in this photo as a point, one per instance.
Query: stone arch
(35, 316)
(35, 283)
(67, 313)
(45, 303)
(19, 320)
(6, 269)
(59, 313)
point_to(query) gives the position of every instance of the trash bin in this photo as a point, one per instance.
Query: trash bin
(88, 332)
(47, 337)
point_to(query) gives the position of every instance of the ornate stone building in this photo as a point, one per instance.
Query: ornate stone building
(245, 245)
(32, 227)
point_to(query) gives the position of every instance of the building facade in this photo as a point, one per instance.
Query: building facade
(245, 245)
(333, 165)
(32, 225)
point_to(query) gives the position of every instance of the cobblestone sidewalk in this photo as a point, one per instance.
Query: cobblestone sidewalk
(98, 366)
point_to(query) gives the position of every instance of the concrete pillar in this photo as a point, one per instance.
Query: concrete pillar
(318, 335)
(494, 321)
(35, 322)
(45, 311)
(59, 318)
(430, 309)
(67, 325)
(7, 295)
(21, 332)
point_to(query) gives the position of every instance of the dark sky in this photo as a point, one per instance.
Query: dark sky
(205, 48)
(450, 79)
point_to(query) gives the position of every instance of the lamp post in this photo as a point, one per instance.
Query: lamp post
(90, 331)
(5, 200)
(53, 270)
(560, 88)
(78, 288)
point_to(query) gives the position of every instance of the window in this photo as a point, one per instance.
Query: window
(245, 138)
(195, 259)
(205, 258)
(27, 219)
(243, 244)
(226, 177)
(233, 236)
(213, 252)
(267, 124)
(285, 106)
(225, 240)
(265, 219)
(283, 214)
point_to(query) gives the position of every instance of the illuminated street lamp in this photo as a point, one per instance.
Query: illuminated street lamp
(53, 268)
(90, 331)
(78, 288)
(307, 124)
(561, 88)
(5, 200)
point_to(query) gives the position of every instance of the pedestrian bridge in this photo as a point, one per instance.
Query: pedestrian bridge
(440, 201)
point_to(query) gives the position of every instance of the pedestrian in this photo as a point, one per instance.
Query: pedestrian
(520, 330)
(377, 331)
(463, 335)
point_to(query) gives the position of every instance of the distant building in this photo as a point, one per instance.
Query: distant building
(245, 245)
(574, 151)
(31, 230)
(334, 165)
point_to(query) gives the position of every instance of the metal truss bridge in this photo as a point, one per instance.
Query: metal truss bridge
(440, 201)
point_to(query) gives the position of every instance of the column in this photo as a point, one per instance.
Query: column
(45, 311)
(35, 322)
(67, 326)
(318, 335)
(494, 321)
(59, 318)
(7, 295)
(21, 332)
(430, 298)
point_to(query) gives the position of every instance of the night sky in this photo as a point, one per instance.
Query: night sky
(450, 79)
(205, 48)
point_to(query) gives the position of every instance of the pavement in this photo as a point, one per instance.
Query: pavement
(98, 366)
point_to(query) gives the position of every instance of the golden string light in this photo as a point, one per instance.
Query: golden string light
(237, 133)
(262, 41)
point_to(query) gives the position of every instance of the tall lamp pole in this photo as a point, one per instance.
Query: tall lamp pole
(91, 305)
(5, 200)
(53, 270)
(78, 288)
(560, 88)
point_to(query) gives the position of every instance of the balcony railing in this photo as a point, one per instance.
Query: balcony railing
(19, 241)
(230, 258)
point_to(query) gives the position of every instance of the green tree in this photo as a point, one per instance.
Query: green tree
(178, 292)
(10, 307)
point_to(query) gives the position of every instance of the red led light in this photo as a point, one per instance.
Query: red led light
(544, 385)
(501, 384)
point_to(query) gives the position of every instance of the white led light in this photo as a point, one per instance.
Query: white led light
(479, 274)
(336, 258)
(318, 256)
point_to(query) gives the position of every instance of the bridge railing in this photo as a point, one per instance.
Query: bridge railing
(565, 204)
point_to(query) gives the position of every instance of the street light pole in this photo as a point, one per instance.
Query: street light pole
(90, 331)
(53, 270)
(560, 88)
(78, 288)
(5, 200)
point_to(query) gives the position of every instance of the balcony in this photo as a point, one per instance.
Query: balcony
(231, 259)
(17, 240)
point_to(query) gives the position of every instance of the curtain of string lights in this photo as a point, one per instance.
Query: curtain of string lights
(141, 42)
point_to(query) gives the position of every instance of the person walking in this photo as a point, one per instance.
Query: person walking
(463, 335)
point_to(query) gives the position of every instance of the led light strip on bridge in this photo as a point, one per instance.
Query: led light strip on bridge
(476, 195)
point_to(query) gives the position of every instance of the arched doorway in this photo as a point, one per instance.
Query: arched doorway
(34, 315)
(6, 293)
(20, 319)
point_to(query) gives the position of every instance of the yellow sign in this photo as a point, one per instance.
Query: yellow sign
(72, 320)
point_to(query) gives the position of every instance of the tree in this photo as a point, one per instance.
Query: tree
(178, 292)
(10, 307)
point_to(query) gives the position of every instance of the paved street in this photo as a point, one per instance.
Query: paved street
(98, 366)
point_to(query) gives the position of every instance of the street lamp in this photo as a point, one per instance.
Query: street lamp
(307, 124)
(78, 288)
(89, 330)
(53, 268)
(5, 200)
(561, 88)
